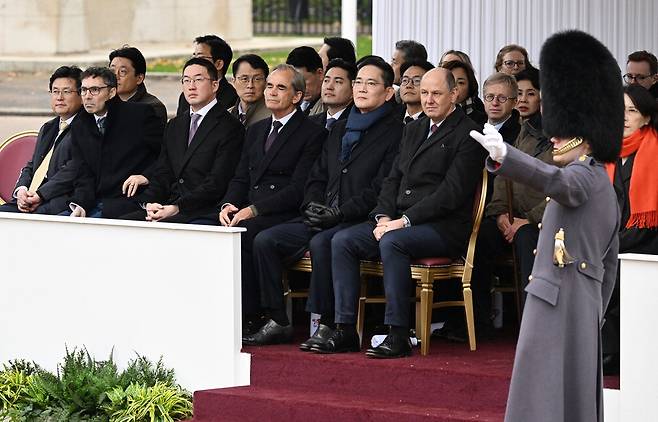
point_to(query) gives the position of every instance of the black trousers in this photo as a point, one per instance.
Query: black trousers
(490, 245)
(282, 245)
(396, 250)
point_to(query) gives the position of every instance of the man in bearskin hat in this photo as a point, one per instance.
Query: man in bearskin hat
(557, 372)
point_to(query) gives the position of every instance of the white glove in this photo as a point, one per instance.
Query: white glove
(77, 210)
(492, 142)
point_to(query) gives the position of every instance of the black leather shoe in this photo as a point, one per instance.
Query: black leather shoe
(392, 347)
(270, 333)
(321, 335)
(251, 325)
(342, 340)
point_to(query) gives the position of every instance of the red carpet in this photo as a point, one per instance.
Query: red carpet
(452, 384)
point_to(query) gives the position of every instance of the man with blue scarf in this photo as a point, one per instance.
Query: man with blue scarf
(340, 192)
(423, 210)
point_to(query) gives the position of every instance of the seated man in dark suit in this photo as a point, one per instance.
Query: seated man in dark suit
(45, 184)
(129, 66)
(412, 72)
(341, 190)
(115, 139)
(423, 210)
(198, 156)
(250, 73)
(500, 91)
(268, 186)
(336, 92)
(307, 62)
(220, 54)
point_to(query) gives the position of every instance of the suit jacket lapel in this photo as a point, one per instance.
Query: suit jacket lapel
(287, 130)
(207, 125)
(444, 129)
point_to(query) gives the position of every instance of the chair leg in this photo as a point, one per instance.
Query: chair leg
(517, 288)
(286, 294)
(361, 315)
(426, 297)
(470, 319)
(418, 311)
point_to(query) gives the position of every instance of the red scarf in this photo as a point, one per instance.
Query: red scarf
(643, 191)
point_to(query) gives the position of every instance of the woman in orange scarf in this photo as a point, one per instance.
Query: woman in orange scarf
(635, 178)
(635, 174)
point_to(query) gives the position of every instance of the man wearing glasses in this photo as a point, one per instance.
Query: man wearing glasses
(198, 157)
(115, 140)
(220, 54)
(642, 69)
(45, 183)
(500, 90)
(129, 65)
(250, 72)
(412, 72)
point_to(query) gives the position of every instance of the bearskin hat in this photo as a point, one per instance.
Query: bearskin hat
(582, 93)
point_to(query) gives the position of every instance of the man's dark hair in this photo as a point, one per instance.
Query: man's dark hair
(72, 72)
(105, 73)
(134, 55)
(529, 74)
(219, 49)
(470, 75)
(387, 70)
(254, 61)
(340, 48)
(212, 70)
(427, 66)
(349, 67)
(411, 50)
(644, 56)
(305, 57)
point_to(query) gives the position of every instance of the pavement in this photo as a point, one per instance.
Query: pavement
(24, 98)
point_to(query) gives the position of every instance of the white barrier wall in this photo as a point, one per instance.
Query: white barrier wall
(637, 397)
(151, 288)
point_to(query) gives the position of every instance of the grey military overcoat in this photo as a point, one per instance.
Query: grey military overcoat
(557, 372)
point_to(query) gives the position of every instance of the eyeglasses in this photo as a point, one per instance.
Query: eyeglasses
(370, 84)
(511, 63)
(121, 72)
(194, 81)
(244, 79)
(64, 93)
(501, 98)
(201, 56)
(93, 90)
(415, 81)
(629, 78)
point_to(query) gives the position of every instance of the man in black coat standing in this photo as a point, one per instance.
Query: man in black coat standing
(423, 210)
(341, 191)
(199, 154)
(45, 183)
(115, 140)
(219, 53)
(268, 186)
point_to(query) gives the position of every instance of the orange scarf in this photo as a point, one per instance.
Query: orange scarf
(643, 191)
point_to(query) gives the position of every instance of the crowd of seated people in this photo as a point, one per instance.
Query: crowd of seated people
(347, 159)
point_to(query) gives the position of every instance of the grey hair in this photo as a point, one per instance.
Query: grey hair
(298, 83)
(502, 78)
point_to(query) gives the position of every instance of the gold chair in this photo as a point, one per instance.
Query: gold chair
(428, 270)
(15, 151)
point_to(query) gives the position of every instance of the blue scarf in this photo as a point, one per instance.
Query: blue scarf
(357, 123)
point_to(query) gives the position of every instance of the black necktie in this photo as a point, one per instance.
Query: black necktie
(330, 123)
(276, 125)
(408, 119)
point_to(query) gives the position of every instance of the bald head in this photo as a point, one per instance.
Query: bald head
(438, 94)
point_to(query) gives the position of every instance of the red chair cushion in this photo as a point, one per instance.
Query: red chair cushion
(432, 261)
(13, 157)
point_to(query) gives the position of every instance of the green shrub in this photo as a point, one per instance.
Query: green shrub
(158, 403)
